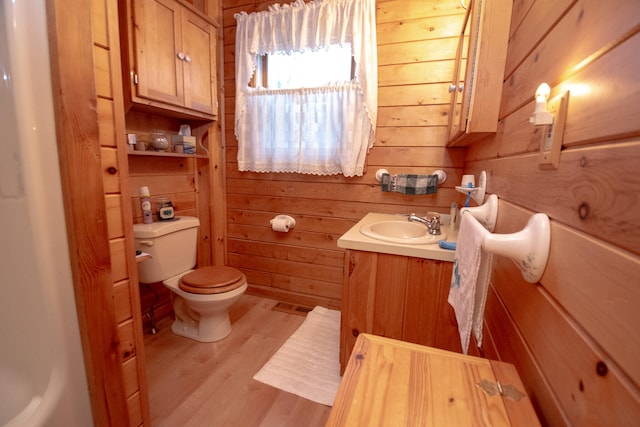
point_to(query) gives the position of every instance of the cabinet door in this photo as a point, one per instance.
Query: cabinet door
(397, 297)
(390, 287)
(199, 47)
(358, 293)
(423, 297)
(428, 317)
(373, 297)
(476, 115)
(458, 119)
(157, 43)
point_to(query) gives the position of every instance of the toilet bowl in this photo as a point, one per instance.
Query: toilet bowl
(202, 296)
(203, 317)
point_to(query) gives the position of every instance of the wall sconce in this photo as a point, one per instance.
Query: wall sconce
(540, 115)
(553, 116)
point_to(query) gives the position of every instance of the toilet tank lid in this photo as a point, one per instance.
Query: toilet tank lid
(161, 228)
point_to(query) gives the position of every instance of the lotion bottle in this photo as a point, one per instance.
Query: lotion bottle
(145, 204)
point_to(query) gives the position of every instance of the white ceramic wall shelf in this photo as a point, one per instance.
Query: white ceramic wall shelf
(478, 192)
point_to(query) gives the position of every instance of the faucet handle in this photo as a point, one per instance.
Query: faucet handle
(434, 223)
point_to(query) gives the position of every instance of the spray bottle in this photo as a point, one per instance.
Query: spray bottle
(145, 203)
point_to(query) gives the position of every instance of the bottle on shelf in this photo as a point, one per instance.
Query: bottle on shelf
(145, 204)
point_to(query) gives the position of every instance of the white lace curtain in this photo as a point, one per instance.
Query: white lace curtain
(322, 131)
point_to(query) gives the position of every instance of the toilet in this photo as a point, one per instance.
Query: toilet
(201, 297)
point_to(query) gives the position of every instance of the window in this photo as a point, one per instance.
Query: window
(305, 69)
(301, 114)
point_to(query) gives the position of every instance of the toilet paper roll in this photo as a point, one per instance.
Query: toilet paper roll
(283, 223)
(280, 224)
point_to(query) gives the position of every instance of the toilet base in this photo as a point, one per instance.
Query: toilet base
(202, 318)
(213, 328)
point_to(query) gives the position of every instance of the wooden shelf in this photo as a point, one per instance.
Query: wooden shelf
(166, 154)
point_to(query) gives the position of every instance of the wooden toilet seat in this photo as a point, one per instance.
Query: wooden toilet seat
(212, 280)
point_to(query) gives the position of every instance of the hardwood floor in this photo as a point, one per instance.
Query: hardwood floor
(211, 384)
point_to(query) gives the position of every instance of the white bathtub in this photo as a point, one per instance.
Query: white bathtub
(42, 377)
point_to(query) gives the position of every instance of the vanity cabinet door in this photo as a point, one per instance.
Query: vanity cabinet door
(396, 297)
(373, 297)
(422, 299)
(428, 317)
(476, 88)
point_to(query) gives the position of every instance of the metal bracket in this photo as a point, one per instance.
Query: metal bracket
(509, 390)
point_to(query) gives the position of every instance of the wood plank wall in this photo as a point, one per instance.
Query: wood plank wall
(89, 124)
(416, 48)
(115, 178)
(574, 336)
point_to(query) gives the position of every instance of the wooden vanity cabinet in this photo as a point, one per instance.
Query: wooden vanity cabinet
(476, 89)
(396, 297)
(170, 64)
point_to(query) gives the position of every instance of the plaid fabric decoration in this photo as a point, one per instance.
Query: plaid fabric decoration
(410, 183)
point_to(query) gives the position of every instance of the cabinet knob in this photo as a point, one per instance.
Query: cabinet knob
(187, 58)
(180, 56)
(452, 87)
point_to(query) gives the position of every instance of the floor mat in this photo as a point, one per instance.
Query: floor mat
(307, 364)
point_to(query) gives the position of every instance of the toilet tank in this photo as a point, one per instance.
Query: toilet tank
(171, 244)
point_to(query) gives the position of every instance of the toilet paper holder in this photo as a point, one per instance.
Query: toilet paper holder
(282, 223)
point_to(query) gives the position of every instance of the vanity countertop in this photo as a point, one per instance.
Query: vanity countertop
(354, 239)
(390, 382)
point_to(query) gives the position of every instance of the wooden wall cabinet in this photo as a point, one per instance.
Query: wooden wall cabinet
(476, 89)
(170, 63)
(396, 297)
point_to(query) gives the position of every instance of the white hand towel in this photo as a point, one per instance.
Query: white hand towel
(470, 279)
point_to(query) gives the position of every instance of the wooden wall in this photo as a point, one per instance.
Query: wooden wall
(124, 273)
(416, 47)
(90, 135)
(574, 336)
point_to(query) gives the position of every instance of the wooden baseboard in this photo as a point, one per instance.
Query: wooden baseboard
(291, 297)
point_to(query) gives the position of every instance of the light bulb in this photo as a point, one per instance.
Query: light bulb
(542, 93)
(540, 115)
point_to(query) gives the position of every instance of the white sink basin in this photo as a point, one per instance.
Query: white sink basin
(411, 233)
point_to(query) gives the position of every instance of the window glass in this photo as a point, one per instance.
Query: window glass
(309, 68)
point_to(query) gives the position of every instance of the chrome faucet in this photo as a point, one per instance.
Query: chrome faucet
(432, 222)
